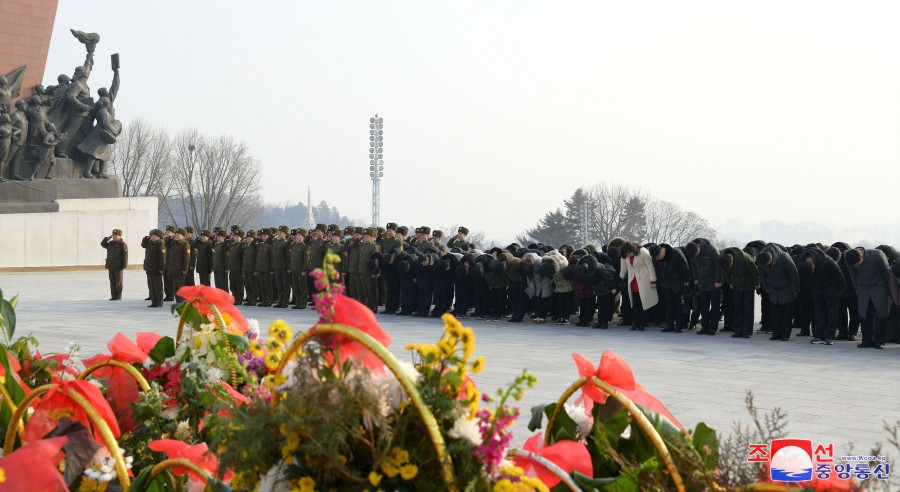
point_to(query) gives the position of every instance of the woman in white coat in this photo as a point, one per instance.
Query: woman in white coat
(637, 268)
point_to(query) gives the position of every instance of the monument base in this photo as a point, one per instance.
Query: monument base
(71, 235)
(39, 195)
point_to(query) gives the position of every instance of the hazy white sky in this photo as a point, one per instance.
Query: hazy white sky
(496, 111)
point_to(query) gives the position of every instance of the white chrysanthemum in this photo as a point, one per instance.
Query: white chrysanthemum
(584, 421)
(214, 374)
(290, 373)
(463, 428)
(410, 371)
(253, 326)
(95, 382)
(275, 480)
(183, 431)
(170, 413)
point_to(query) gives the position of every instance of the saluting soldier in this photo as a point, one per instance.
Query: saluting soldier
(179, 259)
(220, 261)
(368, 282)
(192, 242)
(167, 280)
(317, 245)
(154, 265)
(281, 262)
(235, 264)
(436, 237)
(459, 241)
(116, 261)
(351, 257)
(380, 284)
(251, 281)
(299, 252)
(421, 242)
(264, 268)
(204, 251)
(402, 231)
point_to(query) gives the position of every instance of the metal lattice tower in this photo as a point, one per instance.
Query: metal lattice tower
(376, 164)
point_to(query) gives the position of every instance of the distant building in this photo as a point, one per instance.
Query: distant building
(25, 29)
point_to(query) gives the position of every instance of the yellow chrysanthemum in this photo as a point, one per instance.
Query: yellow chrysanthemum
(468, 342)
(2, 475)
(283, 334)
(374, 478)
(388, 469)
(287, 454)
(256, 348)
(535, 484)
(478, 364)
(269, 381)
(399, 456)
(412, 346)
(272, 361)
(428, 350)
(307, 484)
(447, 346)
(409, 471)
(274, 345)
(276, 325)
(512, 470)
(452, 325)
(504, 485)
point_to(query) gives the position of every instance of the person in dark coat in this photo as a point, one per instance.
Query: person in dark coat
(892, 325)
(871, 276)
(604, 281)
(154, 265)
(250, 279)
(742, 276)
(263, 271)
(674, 276)
(407, 264)
(179, 260)
(192, 241)
(299, 253)
(220, 261)
(116, 262)
(765, 324)
(425, 273)
(235, 266)
(848, 309)
(829, 282)
(204, 250)
(580, 266)
(780, 282)
(707, 275)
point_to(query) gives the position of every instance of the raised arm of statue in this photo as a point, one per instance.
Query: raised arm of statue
(114, 87)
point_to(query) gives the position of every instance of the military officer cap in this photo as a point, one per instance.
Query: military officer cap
(252, 233)
(370, 231)
(235, 228)
(464, 231)
(170, 228)
(380, 230)
(156, 232)
(117, 232)
(205, 232)
(262, 231)
(189, 228)
(321, 227)
(181, 231)
(349, 229)
(333, 228)
(391, 226)
(221, 232)
(239, 233)
(301, 231)
(437, 233)
(359, 230)
(425, 230)
(403, 230)
(284, 229)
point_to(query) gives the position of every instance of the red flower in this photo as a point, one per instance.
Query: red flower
(201, 295)
(233, 393)
(352, 313)
(568, 455)
(56, 404)
(198, 454)
(34, 466)
(121, 388)
(615, 372)
(16, 368)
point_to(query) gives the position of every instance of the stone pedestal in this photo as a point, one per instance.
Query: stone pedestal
(40, 195)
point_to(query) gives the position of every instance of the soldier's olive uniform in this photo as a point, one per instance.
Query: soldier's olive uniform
(368, 284)
(154, 267)
(204, 260)
(179, 259)
(116, 261)
(251, 280)
(264, 272)
(167, 279)
(192, 267)
(351, 257)
(299, 252)
(235, 264)
(280, 263)
(220, 265)
(456, 243)
(317, 249)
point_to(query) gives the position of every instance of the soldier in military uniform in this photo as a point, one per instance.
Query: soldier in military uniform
(220, 261)
(389, 243)
(421, 242)
(167, 280)
(235, 264)
(264, 268)
(436, 242)
(192, 242)
(204, 251)
(179, 259)
(351, 266)
(317, 245)
(281, 262)
(368, 282)
(116, 261)
(248, 268)
(299, 266)
(459, 241)
(154, 265)
(402, 231)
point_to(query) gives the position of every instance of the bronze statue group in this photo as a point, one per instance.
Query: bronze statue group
(825, 292)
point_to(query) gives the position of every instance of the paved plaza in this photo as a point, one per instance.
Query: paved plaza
(833, 394)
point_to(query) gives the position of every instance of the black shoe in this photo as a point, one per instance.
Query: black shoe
(864, 345)
(168, 299)
(701, 332)
(496, 318)
(710, 333)
(299, 307)
(828, 342)
(851, 338)
(801, 334)
(735, 335)
(774, 338)
(633, 328)
(624, 324)
(152, 305)
(280, 306)
(667, 330)
(745, 336)
(727, 329)
(148, 299)
(641, 328)
(784, 339)
(816, 341)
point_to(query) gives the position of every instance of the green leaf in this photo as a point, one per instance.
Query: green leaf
(8, 315)
(12, 387)
(707, 444)
(622, 483)
(162, 482)
(239, 343)
(14, 301)
(163, 349)
(1, 293)
(537, 417)
(564, 428)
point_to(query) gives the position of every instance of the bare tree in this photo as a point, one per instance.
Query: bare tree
(666, 222)
(216, 181)
(142, 160)
(615, 211)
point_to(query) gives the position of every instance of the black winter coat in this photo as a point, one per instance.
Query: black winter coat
(779, 278)
(673, 271)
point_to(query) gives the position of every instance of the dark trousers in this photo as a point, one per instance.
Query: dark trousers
(298, 283)
(237, 286)
(381, 291)
(392, 300)
(848, 317)
(498, 301)
(541, 306)
(177, 283)
(282, 287)
(251, 287)
(426, 293)
(204, 279)
(221, 279)
(115, 284)
(264, 279)
(744, 300)
(587, 305)
(155, 285)
(658, 312)
(892, 325)
(369, 287)
(766, 308)
(606, 307)
(627, 309)
(562, 304)
(674, 316)
(189, 278)
(351, 281)
(825, 316)
(443, 296)
(806, 313)
(167, 287)
(872, 326)
(782, 317)
(727, 307)
(462, 298)
(639, 317)
(517, 299)
(709, 310)
(409, 297)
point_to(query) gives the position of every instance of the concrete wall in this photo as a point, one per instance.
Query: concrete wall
(71, 237)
